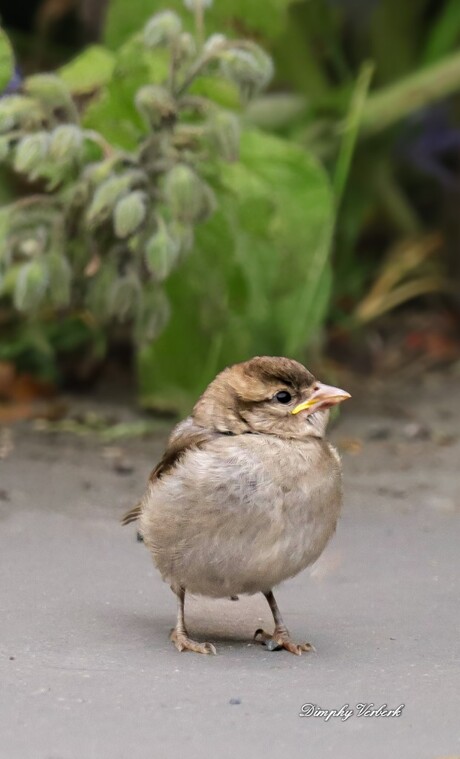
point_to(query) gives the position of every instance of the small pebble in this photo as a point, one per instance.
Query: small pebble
(416, 431)
(378, 432)
(272, 645)
(392, 492)
(122, 466)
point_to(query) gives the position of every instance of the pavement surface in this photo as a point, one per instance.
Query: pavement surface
(86, 668)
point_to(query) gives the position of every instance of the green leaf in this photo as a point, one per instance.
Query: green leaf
(219, 90)
(89, 71)
(395, 33)
(351, 130)
(114, 113)
(258, 279)
(444, 33)
(6, 60)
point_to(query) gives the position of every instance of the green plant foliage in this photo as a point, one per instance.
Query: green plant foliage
(258, 279)
(6, 60)
(123, 18)
(148, 216)
(444, 34)
(89, 71)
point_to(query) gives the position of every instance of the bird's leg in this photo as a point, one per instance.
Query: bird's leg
(280, 638)
(179, 634)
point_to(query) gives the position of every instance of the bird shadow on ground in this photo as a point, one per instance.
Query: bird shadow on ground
(151, 628)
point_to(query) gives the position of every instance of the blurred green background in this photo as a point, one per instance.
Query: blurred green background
(227, 179)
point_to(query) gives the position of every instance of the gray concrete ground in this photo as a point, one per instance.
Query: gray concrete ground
(86, 669)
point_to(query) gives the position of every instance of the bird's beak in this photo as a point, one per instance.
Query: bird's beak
(323, 396)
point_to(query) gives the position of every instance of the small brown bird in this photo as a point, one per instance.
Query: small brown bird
(247, 493)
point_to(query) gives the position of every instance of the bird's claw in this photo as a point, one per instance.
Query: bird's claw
(279, 640)
(184, 643)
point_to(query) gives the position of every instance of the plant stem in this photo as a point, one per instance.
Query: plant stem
(393, 103)
(351, 129)
(205, 58)
(199, 23)
(107, 149)
(30, 200)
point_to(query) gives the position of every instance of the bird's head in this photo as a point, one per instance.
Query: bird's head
(270, 395)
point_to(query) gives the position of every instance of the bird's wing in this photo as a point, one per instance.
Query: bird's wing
(186, 435)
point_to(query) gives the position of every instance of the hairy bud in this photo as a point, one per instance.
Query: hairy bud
(156, 106)
(30, 247)
(152, 314)
(99, 171)
(19, 112)
(99, 289)
(161, 252)
(60, 277)
(31, 151)
(214, 44)
(129, 213)
(186, 46)
(224, 131)
(124, 296)
(107, 195)
(66, 143)
(251, 69)
(189, 198)
(31, 284)
(161, 29)
(183, 234)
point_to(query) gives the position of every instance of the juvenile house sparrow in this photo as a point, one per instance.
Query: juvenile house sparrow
(247, 493)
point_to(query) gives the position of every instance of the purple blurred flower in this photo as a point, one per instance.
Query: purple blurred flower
(14, 83)
(432, 145)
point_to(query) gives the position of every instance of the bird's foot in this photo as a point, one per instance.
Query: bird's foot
(281, 639)
(184, 643)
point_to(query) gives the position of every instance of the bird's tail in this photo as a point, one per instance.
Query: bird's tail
(132, 515)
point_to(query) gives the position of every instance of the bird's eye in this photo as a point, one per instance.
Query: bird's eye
(283, 396)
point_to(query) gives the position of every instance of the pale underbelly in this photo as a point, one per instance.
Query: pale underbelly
(249, 563)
